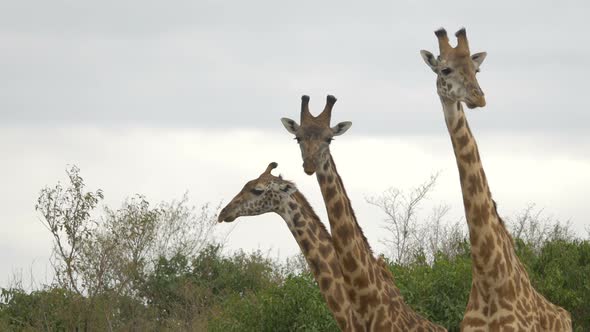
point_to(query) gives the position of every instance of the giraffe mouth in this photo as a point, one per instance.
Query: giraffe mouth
(224, 217)
(476, 101)
(309, 167)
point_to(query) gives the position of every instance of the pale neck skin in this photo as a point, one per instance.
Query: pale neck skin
(500, 286)
(368, 281)
(316, 244)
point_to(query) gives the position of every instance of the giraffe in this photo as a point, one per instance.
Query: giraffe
(368, 281)
(269, 193)
(502, 297)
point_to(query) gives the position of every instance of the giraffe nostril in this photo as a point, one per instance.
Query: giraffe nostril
(477, 92)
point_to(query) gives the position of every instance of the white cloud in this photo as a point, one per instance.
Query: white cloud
(207, 64)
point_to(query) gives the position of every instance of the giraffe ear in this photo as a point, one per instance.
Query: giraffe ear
(430, 60)
(290, 125)
(478, 58)
(341, 128)
(287, 188)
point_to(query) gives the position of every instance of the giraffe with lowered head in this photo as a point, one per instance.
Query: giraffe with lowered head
(368, 281)
(502, 297)
(269, 193)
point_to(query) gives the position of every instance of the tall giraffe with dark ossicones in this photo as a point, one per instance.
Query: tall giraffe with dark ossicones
(502, 297)
(269, 193)
(368, 281)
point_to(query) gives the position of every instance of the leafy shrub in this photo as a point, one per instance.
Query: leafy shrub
(294, 305)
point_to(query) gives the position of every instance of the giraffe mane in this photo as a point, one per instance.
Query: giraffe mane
(310, 211)
(353, 216)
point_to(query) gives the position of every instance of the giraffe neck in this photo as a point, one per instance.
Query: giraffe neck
(369, 282)
(354, 252)
(492, 248)
(501, 291)
(340, 212)
(315, 243)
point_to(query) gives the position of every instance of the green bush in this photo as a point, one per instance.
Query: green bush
(561, 272)
(248, 292)
(294, 305)
(439, 291)
(50, 310)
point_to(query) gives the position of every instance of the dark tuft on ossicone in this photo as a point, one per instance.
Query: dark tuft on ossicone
(440, 32)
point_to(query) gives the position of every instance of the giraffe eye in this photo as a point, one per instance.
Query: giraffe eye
(445, 71)
(329, 140)
(298, 139)
(256, 192)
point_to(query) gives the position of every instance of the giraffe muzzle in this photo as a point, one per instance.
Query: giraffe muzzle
(224, 216)
(309, 167)
(477, 98)
(476, 101)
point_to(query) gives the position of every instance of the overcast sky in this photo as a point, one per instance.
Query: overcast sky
(159, 98)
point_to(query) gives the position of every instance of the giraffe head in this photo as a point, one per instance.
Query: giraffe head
(315, 134)
(261, 195)
(456, 68)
